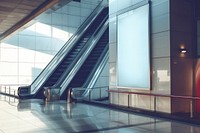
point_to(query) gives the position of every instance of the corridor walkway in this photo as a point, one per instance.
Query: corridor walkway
(36, 116)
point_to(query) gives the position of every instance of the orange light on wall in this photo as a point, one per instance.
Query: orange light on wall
(183, 51)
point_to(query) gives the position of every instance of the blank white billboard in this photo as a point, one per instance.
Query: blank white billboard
(133, 49)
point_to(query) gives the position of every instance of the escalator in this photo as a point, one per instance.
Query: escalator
(68, 61)
(89, 66)
(71, 56)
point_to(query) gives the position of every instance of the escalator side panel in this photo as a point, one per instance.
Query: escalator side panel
(85, 70)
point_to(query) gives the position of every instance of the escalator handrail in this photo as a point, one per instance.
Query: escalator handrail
(81, 60)
(43, 76)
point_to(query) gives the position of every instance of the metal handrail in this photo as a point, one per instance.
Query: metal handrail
(6, 89)
(13, 84)
(160, 95)
(83, 89)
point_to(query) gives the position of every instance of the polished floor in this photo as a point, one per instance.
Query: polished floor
(35, 116)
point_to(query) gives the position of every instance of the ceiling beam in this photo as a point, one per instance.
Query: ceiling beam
(46, 5)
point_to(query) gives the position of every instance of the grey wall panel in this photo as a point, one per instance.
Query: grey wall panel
(159, 9)
(113, 52)
(160, 45)
(112, 75)
(112, 6)
(112, 30)
(161, 75)
(121, 4)
(160, 23)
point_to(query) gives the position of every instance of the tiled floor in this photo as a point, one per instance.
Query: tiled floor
(39, 117)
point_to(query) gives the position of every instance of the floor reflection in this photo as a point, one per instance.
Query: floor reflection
(60, 115)
(38, 116)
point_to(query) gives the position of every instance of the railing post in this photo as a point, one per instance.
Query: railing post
(69, 95)
(100, 92)
(89, 95)
(154, 103)
(191, 108)
(128, 100)
(9, 89)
